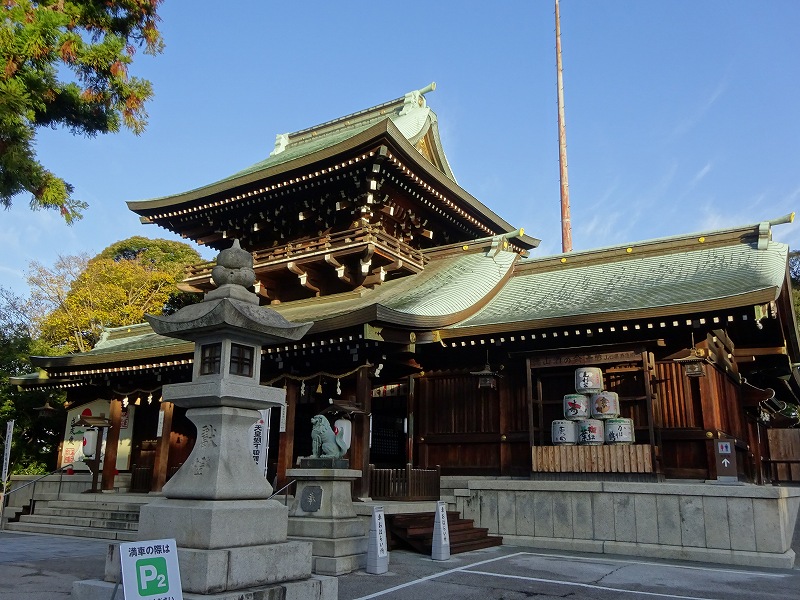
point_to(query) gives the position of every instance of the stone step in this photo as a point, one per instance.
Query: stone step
(449, 500)
(80, 522)
(101, 505)
(102, 534)
(11, 513)
(114, 515)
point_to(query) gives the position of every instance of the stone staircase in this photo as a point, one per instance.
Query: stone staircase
(100, 516)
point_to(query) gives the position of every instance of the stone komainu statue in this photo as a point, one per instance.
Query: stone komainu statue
(324, 443)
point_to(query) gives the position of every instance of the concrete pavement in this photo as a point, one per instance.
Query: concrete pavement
(43, 567)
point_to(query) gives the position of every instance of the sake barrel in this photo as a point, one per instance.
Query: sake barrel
(564, 433)
(605, 405)
(619, 431)
(590, 432)
(576, 407)
(588, 380)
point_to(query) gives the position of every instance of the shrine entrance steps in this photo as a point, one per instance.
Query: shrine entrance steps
(100, 516)
(414, 531)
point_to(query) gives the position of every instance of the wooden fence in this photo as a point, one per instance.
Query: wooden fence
(783, 471)
(784, 449)
(632, 458)
(404, 484)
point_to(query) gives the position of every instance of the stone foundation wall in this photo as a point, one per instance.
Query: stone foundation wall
(730, 524)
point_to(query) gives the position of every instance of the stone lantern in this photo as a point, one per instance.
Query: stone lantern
(228, 329)
(231, 538)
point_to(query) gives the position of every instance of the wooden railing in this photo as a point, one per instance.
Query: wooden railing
(141, 479)
(404, 484)
(634, 458)
(783, 470)
(331, 243)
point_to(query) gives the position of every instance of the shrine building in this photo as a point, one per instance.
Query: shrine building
(442, 335)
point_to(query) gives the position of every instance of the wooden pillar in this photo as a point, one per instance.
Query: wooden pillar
(161, 462)
(531, 415)
(359, 451)
(712, 422)
(410, 430)
(503, 397)
(422, 401)
(286, 443)
(112, 443)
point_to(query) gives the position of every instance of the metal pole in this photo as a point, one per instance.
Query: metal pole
(566, 225)
(4, 473)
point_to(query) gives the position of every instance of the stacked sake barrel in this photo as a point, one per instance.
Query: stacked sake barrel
(591, 415)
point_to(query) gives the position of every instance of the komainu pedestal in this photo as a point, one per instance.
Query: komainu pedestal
(322, 513)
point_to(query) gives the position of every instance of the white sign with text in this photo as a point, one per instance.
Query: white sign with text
(150, 570)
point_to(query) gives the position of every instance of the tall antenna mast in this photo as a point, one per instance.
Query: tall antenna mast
(566, 226)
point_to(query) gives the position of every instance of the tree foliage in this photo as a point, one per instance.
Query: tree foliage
(794, 275)
(794, 268)
(36, 433)
(79, 296)
(65, 63)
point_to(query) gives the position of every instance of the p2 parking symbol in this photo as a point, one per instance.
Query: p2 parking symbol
(151, 576)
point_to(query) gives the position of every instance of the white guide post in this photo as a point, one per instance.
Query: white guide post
(440, 547)
(377, 549)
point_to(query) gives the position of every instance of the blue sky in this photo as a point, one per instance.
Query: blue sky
(682, 116)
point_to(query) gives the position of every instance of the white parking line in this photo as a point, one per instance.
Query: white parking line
(436, 575)
(468, 569)
(589, 585)
(660, 564)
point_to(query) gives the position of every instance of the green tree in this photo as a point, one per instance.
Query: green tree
(794, 275)
(78, 298)
(36, 433)
(65, 63)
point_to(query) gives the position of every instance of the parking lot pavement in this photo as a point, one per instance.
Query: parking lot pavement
(43, 567)
(509, 573)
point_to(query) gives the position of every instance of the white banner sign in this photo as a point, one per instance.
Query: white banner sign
(7, 450)
(150, 570)
(260, 436)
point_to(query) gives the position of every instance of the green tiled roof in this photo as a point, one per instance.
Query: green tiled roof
(121, 344)
(409, 114)
(672, 276)
(130, 338)
(714, 276)
(299, 150)
(446, 287)
(435, 297)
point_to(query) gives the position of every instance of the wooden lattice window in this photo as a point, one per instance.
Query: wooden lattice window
(210, 357)
(241, 360)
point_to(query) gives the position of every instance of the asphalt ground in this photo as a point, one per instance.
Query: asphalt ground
(43, 567)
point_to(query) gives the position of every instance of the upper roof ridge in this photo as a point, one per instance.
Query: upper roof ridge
(759, 234)
(393, 109)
